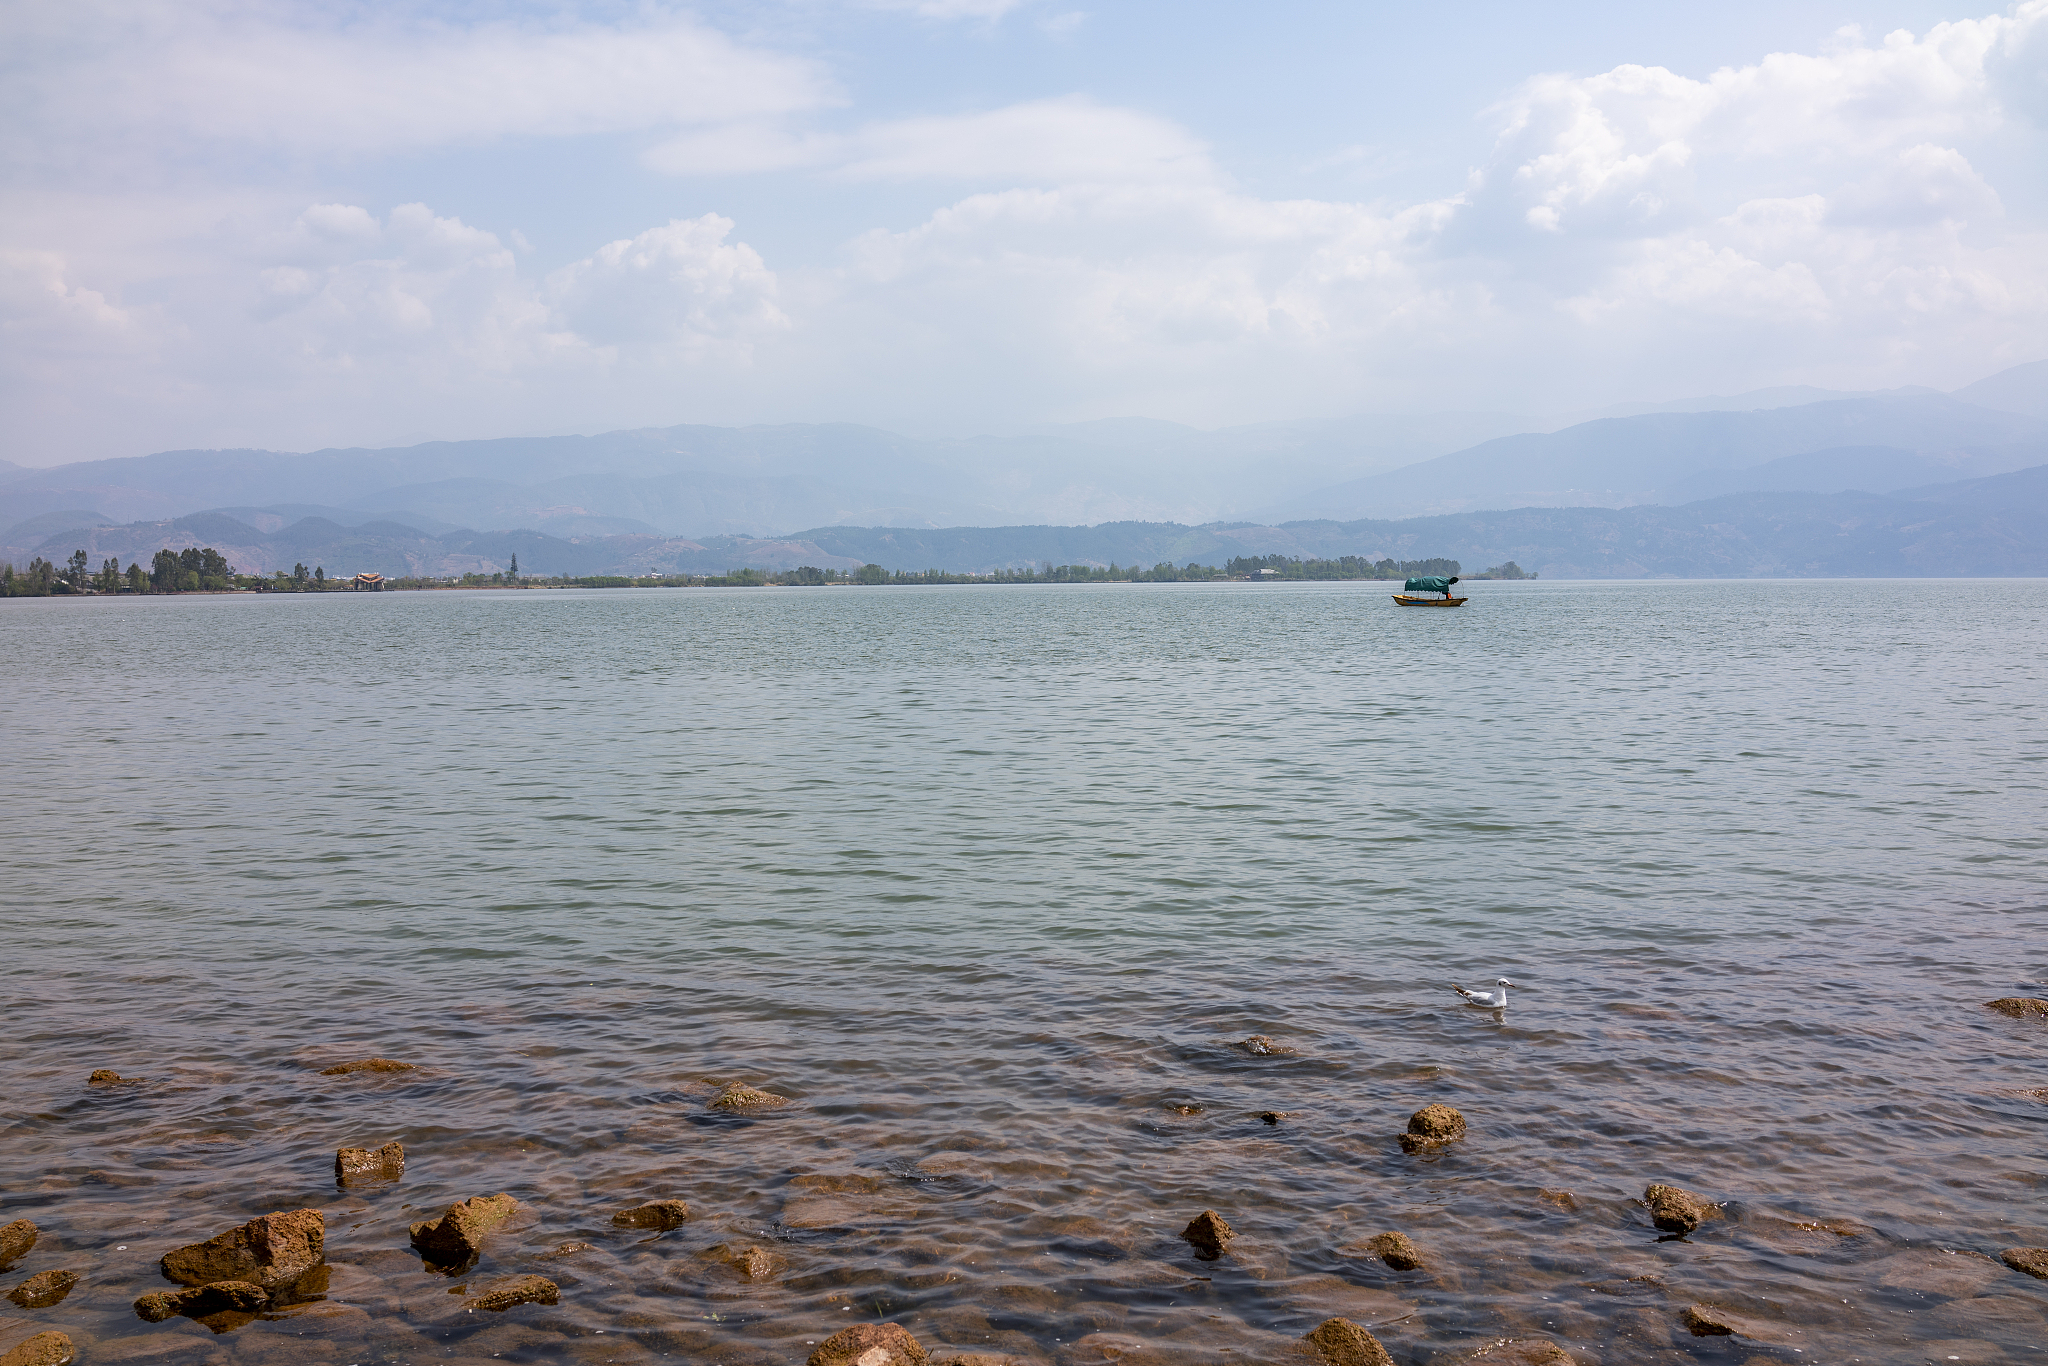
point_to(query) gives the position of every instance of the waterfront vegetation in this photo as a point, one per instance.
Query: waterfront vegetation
(196, 570)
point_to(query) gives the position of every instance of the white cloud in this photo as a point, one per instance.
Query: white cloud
(278, 75)
(1041, 142)
(680, 287)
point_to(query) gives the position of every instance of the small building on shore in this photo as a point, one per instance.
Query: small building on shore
(372, 582)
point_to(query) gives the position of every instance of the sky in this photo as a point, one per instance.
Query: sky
(247, 223)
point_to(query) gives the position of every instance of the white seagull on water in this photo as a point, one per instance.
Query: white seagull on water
(1492, 1000)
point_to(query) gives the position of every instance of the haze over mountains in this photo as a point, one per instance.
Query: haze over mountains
(685, 499)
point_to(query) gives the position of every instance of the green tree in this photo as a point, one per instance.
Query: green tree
(301, 576)
(165, 573)
(871, 573)
(109, 578)
(137, 579)
(514, 570)
(74, 571)
(319, 576)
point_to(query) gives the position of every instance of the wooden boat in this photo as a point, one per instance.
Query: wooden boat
(1410, 600)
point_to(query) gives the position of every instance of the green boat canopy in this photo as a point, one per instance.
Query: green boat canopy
(1429, 584)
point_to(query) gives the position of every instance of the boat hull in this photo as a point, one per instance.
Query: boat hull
(1406, 601)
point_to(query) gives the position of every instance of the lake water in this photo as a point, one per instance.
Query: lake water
(992, 883)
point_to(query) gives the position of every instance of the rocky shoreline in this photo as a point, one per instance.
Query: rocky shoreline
(474, 1264)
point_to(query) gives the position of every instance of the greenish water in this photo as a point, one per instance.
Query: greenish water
(987, 881)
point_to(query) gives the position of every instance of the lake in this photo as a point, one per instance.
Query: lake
(993, 884)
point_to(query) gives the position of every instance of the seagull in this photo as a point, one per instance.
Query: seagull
(1492, 1000)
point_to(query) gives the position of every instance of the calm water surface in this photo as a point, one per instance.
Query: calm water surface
(992, 883)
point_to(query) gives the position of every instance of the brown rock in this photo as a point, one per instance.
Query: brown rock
(2031, 1260)
(15, 1241)
(44, 1349)
(1396, 1251)
(1259, 1045)
(2019, 1007)
(343, 1069)
(354, 1166)
(1706, 1321)
(1432, 1126)
(455, 1240)
(43, 1289)
(1209, 1233)
(748, 1263)
(239, 1297)
(107, 1076)
(568, 1250)
(740, 1096)
(271, 1251)
(654, 1214)
(869, 1344)
(1563, 1199)
(502, 1294)
(1675, 1210)
(1340, 1342)
(1185, 1110)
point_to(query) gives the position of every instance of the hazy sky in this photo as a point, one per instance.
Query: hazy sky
(232, 222)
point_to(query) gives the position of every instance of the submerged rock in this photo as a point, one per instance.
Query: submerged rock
(2033, 1261)
(507, 1291)
(1432, 1126)
(1396, 1251)
(343, 1069)
(869, 1344)
(107, 1076)
(1340, 1342)
(44, 1349)
(15, 1241)
(568, 1250)
(271, 1251)
(43, 1289)
(740, 1096)
(1563, 1199)
(1185, 1110)
(1522, 1352)
(1675, 1210)
(238, 1297)
(454, 1241)
(654, 1214)
(1706, 1321)
(354, 1166)
(2019, 1007)
(1209, 1233)
(748, 1263)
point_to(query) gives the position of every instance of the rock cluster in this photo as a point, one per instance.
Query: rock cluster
(355, 1166)
(43, 1289)
(454, 1241)
(15, 1241)
(1396, 1251)
(869, 1344)
(271, 1251)
(1261, 1045)
(740, 1096)
(44, 1349)
(654, 1214)
(1340, 1342)
(238, 1297)
(502, 1294)
(1208, 1233)
(2019, 1007)
(2033, 1261)
(1675, 1210)
(1431, 1127)
(107, 1076)
(343, 1069)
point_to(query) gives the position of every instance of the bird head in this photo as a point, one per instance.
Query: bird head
(1502, 982)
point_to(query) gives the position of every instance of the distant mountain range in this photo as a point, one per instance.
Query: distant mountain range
(694, 482)
(1989, 526)
(704, 499)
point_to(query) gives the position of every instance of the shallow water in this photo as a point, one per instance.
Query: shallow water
(988, 881)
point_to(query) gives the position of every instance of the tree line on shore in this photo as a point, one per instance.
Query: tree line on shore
(192, 570)
(206, 570)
